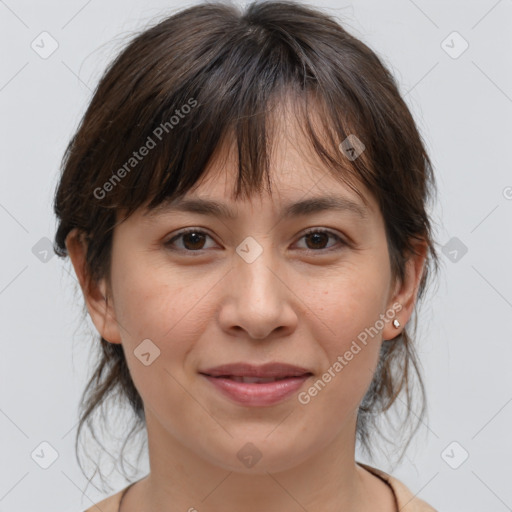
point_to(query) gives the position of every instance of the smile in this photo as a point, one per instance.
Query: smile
(255, 391)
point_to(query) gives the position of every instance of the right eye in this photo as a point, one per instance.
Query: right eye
(192, 239)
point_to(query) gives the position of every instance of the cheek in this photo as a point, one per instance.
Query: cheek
(152, 299)
(351, 308)
(351, 303)
(171, 316)
(166, 307)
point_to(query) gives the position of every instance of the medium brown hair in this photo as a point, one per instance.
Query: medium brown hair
(229, 66)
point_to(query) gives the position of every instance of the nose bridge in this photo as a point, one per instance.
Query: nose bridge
(255, 267)
(258, 300)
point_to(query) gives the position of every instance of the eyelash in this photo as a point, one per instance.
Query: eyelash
(170, 242)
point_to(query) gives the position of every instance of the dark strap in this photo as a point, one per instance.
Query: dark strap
(123, 495)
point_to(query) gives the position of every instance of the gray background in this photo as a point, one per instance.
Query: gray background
(462, 103)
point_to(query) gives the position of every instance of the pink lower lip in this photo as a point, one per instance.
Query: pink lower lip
(254, 394)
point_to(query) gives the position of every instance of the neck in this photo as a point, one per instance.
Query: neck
(327, 480)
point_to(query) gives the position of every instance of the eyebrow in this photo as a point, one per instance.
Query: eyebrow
(301, 208)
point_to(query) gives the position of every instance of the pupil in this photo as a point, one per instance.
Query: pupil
(315, 237)
(192, 236)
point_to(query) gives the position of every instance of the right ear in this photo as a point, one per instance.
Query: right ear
(100, 309)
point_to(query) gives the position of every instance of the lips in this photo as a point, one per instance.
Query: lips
(254, 380)
(248, 373)
(257, 386)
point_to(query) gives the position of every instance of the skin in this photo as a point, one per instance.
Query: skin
(291, 304)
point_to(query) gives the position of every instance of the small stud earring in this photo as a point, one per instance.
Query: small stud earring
(396, 323)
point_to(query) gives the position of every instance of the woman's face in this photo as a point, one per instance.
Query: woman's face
(255, 288)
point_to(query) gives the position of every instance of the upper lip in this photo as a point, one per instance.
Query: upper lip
(249, 370)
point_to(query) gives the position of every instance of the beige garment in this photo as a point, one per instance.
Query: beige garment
(406, 501)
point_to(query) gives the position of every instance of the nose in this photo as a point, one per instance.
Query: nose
(257, 299)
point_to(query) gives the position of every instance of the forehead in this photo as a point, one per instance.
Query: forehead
(300, 182)
(295, 191)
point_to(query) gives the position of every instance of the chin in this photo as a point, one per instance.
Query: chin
(262, 455)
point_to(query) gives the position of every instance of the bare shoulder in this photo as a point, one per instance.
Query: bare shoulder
(110, 504)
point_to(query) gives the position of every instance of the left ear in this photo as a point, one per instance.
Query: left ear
(405, 292)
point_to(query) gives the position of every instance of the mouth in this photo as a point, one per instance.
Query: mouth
(257, 385)
(251, 380)
(246, 372)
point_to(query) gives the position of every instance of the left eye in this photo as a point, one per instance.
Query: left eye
(317, 236)
(193, 239)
